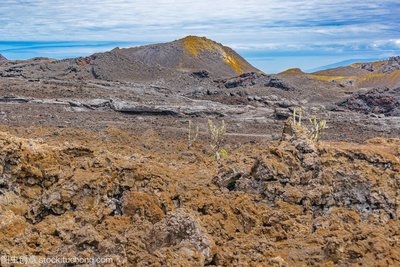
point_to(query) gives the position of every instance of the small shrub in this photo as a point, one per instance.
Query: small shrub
(217, 134)
(193, 133)
(297, 122)
(317, 128)
(223, 153)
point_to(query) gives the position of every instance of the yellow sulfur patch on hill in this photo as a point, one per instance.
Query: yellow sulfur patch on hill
(234, 63)
(194, 46)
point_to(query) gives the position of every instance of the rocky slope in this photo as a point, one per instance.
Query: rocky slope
(191, 54)
(280, 204)
(385, 73)
(95, 161)
(375, 101)
(168, 61)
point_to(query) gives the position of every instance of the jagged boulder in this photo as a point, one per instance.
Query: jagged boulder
(182, 232)
(299, 172)
(294, 162)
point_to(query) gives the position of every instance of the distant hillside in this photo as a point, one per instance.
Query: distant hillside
(384, 73)
(341, 64)
(199, 56)
(189, 54)
(2, 58)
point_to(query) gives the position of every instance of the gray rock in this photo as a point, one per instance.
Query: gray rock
(282, 113)
(140, 109)
(273, 98)
(14, 99)
(75, 104)
(97, 103)
(286, 104)
(278, 83)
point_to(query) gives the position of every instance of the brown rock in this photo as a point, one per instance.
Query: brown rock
(181, 231)
(11, 225)
(141, 204)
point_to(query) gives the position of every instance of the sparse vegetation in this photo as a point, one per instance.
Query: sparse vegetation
(193, 133)
(223, 153)
(297, 116)
(317, 128)
(217, 134)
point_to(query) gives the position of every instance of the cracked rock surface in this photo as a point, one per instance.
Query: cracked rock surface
(287, 202)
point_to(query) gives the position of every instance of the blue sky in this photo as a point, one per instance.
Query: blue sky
(273, 35)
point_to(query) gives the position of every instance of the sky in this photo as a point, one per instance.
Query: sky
(273, 35)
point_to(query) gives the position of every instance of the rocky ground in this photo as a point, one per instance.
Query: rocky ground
(153, 201)
(96, 162)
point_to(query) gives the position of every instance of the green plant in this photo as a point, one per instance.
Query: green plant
(317, 128)
(298, 116)
(193, 133)
(217, 134)
(223, 153)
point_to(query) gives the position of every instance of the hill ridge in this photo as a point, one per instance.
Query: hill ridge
(191, 54)
(382, 73)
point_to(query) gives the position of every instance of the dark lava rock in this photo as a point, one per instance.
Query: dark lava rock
(278, 83)
(252, 79)
(307, 182)
(13, 99)
(201, 74)
(379, 101)
(282, 113)
(244, 80)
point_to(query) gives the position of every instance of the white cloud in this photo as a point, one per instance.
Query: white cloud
(133, 20)
(271, 25)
